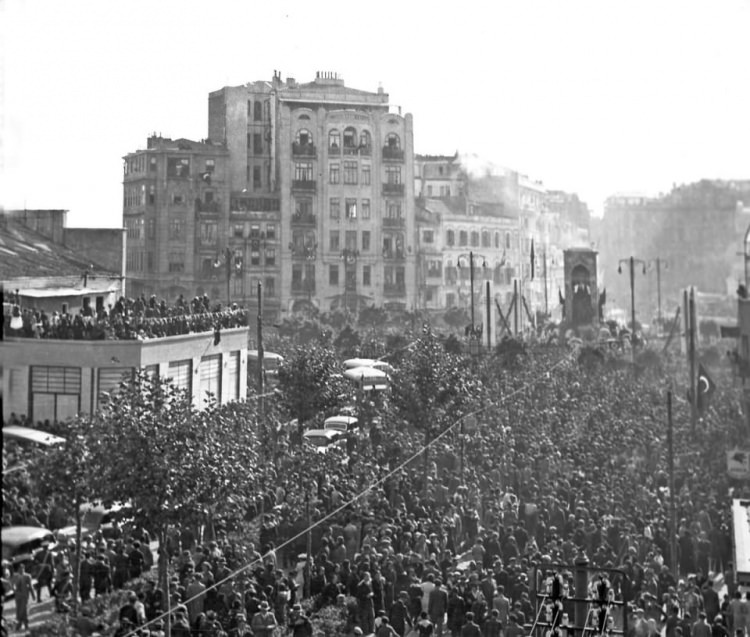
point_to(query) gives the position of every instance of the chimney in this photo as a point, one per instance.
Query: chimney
(291, 82)
(380, 88)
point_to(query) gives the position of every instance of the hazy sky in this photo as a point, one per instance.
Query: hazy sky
(591, 96)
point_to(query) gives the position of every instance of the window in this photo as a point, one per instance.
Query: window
(497, 239)
(258, 111)
(270, 256)
(208, 196)
(176, 229)
(486, 239)
(232, 362)
(475, 239)
(463, 238)
(238, 230)
(388, 275)
(393, 209)
(55, 392)
(333, 240)
(210, 165)
(176, 262)
(150, 261)
(393, 174)
(255, 252)
(365, 208)
(177, 198)
(450, 238)
(152, 164)
(333, 275)
(210, 232)
(445, 191)
(255, 231)
(334, 139)
(270, 287)
(181, 373)
(350, 137)
(271, 230)
(366, 275)
(351, 208)
(365, 241)
(257, 143)
(393, 141)
(507, 240)
(335, 208)
(429, 190)
(178, 167)
(350, 240)
(400, 276)
(303, 137)
(296, 276)
(428, 236)
(334, 173)
(257, 179)
(210, 378)
(364, 139)
(303, 171)
(152, 194)
(366, 174)
(350, 172)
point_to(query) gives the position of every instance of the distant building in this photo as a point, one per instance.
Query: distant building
(51, 267)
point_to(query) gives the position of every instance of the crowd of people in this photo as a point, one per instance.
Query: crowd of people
(574, 465)
(128, 319)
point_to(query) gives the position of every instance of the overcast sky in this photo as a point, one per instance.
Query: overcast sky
(594, 97)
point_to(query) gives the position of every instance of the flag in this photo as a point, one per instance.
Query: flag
(705, 388)
(531, 256)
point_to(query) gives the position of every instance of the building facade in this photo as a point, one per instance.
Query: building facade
(49, 379)
(333, 167)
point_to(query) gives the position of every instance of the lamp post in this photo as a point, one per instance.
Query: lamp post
(349, 256)
(230, 261)
(658, 264)
(631, 262)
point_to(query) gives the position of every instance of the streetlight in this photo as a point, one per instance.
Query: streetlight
(349, 256)
(658, 263)
(631, 263)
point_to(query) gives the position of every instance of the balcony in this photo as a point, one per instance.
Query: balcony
(350, 286)
(434, 274)
(209, 207)
(394, 255)
(394, 289)
(365, 151)
(393, 189)
(304, 252)
(303, 150)
(351, 151)
(303, 185)
(306, 219)
(394, 222)
(393, 154)
(334, 151)
(303, 287)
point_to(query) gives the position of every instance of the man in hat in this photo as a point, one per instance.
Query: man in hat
(264, 621)
(299, 623)
(399, 615)
(23, 589)
(128, 611)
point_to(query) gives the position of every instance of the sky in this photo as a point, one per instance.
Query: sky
(589, 96)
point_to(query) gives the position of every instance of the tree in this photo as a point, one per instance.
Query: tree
(456, 317)
(310, 383)
(432, 389)
(64, 475)
(372, 317)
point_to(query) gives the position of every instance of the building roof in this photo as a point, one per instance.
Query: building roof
(25, 253)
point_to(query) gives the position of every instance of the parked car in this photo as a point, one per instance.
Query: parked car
(96, 517)
(323, 439)
(22, 543)
(340, 423)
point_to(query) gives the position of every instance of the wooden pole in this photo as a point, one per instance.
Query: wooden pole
(672, 508)
(515, 307)
(691, 354)
(488, 304)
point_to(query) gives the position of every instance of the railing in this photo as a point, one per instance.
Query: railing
(434, 274)
(303, 252)
(395, 154)
(202, 206)
(304, 219)
(393, 189)
(394, 255)
(334, 150)
(394, 289)
(303, 287)
(303, 150)
(365, 151)
(394, 222)
(351, 150)
(303, 184)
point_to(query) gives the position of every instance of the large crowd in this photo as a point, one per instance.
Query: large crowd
(127, 319)
(574, 465)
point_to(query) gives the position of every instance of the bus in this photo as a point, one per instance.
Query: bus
(271, 364)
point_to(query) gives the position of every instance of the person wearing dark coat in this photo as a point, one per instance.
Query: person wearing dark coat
(399, 616)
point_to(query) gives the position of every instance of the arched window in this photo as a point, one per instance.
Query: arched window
(334, 139)
(485, 239)
(350, 137)
(463, 238)
(393, 141)
(258, 111)
(507, 240)
(303, 137)
(474, 239)
(364, 139)
(450, 237)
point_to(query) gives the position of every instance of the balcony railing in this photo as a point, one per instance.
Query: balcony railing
(394, 289)
(202, 206)
(303, 184)
(394, 154)
(303, 219)
(365, 151)
(394, 255)
(303, 287)
(394, 222)
(334, 150)
(303, 150)
(304, 252)
(434, 274)
(393, 189)
(351, 150)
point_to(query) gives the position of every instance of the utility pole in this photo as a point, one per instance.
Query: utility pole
(672, 508)
(487, 302)
(546, 302)
(631, 261)
(515, 307)
(471, 284)
(228, 260)
(691, 354)
(261, 372)
(463, 444)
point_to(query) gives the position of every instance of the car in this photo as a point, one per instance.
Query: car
(323, 439)
(96, 517)
(368, 378)
(340, 423)
(271, 364)
(22, 543)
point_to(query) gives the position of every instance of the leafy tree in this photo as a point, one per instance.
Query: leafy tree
(372, 317)
(456, 318)
(64, 476)
(310, 383)
(347, 341)
(431, 389)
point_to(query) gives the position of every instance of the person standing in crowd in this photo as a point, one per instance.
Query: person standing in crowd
(23, 589)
